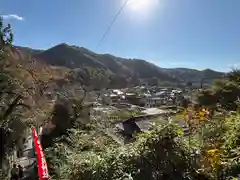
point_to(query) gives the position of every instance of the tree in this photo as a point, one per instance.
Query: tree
(6, 35)
(227, 91)
(154, 81)
(234, 76)
(6, 38)
(117, 81)
(9, 99)
(206, 98)
(227, 95)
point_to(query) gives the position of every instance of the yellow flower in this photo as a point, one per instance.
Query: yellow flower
(203, 114)
(203, 118)
(212, 151)
(205, 111)
(214, 157)
(180, 132)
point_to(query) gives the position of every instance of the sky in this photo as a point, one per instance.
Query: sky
(195, 34)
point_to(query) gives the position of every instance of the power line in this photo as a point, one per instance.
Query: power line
(112, 23)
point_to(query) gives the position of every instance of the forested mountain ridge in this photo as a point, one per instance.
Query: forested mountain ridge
(115, 71)
(193, 74)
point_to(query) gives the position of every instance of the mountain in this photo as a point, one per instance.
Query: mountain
(89, 67)
(69, 56)
(193, 75)
(29, 50)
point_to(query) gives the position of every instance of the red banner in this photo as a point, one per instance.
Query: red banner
(42, 164)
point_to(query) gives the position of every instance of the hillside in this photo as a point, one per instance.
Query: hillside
(29, 50)
(193, 75)
(35, 77)
(113, 71)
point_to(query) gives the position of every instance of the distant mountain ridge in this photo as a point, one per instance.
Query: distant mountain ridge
(186, 74)
(29, 50)
(82, 60)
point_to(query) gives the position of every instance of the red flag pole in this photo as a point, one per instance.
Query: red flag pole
(42, 164)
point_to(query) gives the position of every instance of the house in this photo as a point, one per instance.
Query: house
(154, 101)
(160, 94)
(144, 84)
(117, 92)
(146, 94)
(135, 100)
(130, 94)
(136, 125)
(114, 98)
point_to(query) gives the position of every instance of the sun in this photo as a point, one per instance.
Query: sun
(141, 5)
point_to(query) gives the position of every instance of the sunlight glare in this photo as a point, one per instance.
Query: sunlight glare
(141, 6)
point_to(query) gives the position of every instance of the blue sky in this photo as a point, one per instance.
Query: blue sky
(170, 33)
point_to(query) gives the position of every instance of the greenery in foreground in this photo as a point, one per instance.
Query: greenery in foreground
(158, 154)
(211, 151)
(208, 149)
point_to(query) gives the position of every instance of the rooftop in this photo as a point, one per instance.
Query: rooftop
(160, 93)
(155, 98)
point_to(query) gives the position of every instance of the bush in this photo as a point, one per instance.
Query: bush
(158, 154)
(206, 98)
(224, 92)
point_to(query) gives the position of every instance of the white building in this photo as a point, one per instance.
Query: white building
(161, 94)
(117, 92)
(153, 102)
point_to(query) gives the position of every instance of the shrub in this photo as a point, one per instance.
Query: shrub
(159, 154)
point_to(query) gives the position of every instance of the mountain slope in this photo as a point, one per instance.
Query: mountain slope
(76, 57)
(84, 62)
(68, 56)
(185, 74)
(146, 70)
(29, 50)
